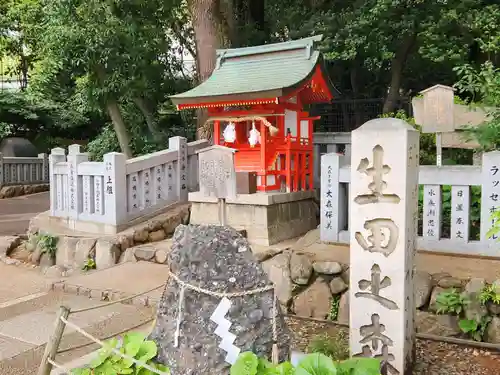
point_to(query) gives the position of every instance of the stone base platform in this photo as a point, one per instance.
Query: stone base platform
(268, 218)
(145, 241)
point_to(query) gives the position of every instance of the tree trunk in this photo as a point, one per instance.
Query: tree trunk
(148, 116)
(119, 126)
(211, 33)
(397, 67)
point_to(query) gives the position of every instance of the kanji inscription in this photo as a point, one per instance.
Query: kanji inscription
(378, 185)
(383, 238)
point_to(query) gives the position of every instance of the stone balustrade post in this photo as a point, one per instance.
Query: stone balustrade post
(115, 188)
(1, 170)
(45, 168)
(181, 177)
(57, 155)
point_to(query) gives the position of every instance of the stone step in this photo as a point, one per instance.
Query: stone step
(115, 283)
(24, 332)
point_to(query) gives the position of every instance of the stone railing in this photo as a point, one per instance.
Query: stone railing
(107, 196)
(24, 171)
(465, 209)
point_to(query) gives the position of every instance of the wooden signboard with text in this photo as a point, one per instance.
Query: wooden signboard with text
(217, 175)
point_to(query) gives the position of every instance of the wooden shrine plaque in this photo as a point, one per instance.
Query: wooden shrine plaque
(216, 172)
(438, 109)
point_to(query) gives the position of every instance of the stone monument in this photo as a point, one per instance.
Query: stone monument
(384, 193)
(218, 302)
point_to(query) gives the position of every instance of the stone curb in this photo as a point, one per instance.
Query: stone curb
(107, 295)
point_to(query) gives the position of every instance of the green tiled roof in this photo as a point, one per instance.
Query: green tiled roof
(256, 72)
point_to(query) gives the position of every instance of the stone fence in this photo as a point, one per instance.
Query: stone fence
(24, 171)
(445, 188)
(106, 197)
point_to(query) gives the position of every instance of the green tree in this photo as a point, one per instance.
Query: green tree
(113, 51)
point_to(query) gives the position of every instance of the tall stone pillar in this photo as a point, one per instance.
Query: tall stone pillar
(383, 229)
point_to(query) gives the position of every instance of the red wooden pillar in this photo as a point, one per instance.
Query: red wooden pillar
(263, 159)
(288, 171)
(297, 171)
(216, 132)
(304, 171)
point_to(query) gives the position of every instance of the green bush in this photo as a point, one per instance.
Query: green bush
(313, 364)
(336, 347)
(135, 346)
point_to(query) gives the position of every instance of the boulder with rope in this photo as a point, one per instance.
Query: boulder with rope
(218, 303)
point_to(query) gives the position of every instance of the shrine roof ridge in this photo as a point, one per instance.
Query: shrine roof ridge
(264, 72)
(269, 48)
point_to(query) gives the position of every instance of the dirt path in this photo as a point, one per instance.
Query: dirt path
(15, 213)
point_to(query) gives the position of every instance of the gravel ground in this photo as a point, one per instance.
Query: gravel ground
(433, 358)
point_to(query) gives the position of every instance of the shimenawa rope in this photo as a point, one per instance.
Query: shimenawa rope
(184, 285)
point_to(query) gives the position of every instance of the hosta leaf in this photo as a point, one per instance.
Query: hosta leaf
(316, 364)
(246, 364)
(147, 351)
(360, 366)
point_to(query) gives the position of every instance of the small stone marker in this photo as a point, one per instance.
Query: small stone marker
(384, 193)
(217, 175)
(329, 228)
(201, 325)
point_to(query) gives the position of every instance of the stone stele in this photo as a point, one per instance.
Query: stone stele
(218, 259)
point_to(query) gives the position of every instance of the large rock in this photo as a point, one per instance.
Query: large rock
(7, 244)
(434, 295)
(327, 268)
(158, 235)
(475, 310)
(337, 285)
(423, 288)
(66, 251)
(262, 256)
(439, 325)
(492, 334)
(215, 259)
(144, 252)
(85, 249)
(315, 301)
(107, 254)
(300, 268)
(343, 314)
(448, 282)
(278, 271)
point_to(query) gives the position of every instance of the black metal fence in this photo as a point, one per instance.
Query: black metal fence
(346, 115)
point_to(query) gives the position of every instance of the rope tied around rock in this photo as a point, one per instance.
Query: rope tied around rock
(184, 285)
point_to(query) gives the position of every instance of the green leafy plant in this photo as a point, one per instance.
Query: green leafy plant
(489, 294)
(89, 265)
(334, 308)
(473, 328)
(334, 347)
(48, 244)
(312, 364)
(134, 345)
(451, 301)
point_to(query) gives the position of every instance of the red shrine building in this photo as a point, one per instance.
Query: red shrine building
(257, 99)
